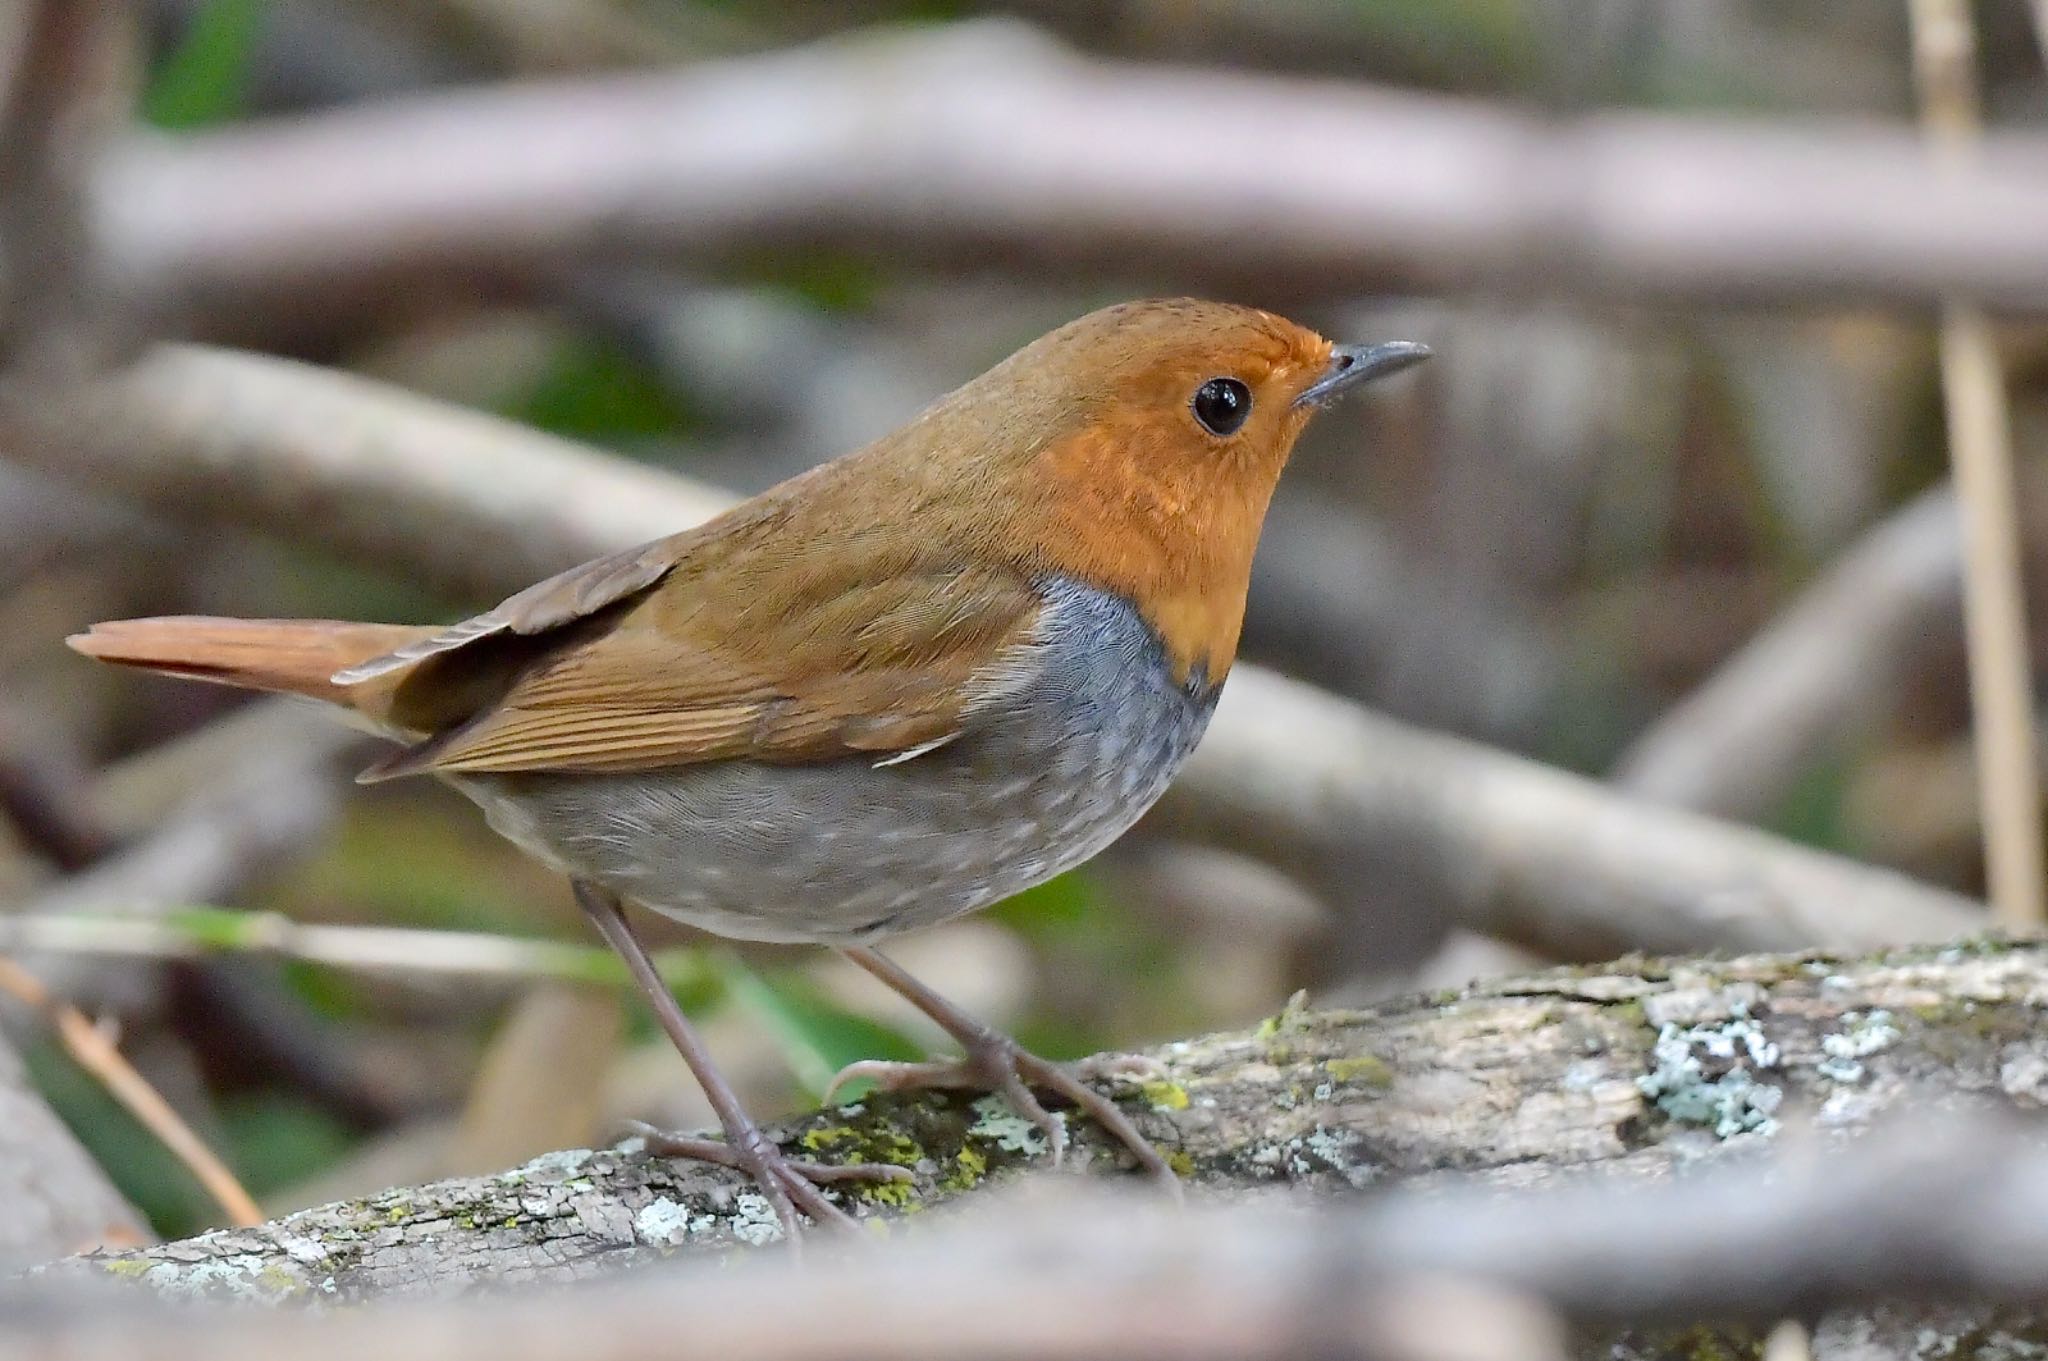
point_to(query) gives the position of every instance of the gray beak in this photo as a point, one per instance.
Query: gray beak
(1352, 365)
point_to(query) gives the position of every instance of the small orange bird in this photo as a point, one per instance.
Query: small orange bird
(897, 688)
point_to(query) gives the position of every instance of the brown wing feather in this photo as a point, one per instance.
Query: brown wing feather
(766, 656)
(561, 599)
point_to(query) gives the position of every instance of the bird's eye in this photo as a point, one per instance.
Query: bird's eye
(1222, 405)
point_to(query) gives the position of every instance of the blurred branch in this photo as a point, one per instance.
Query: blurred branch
(902, 143)
(45, 794)
(57, 100)
(1815, 677)
(1631, 1074)
(1309, 782)
(1344, 798)
(269, 803)
(471, 503)
(1980, 450)
(57, 1199)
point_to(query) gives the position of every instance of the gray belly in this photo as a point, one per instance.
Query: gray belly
(848, 851)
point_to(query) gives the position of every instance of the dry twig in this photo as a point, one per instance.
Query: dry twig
(169, 932)
(96, 1053)
(1980, 448)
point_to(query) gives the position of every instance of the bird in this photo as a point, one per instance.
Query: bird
(894, 689)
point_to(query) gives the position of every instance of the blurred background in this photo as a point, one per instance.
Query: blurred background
(1611, 479)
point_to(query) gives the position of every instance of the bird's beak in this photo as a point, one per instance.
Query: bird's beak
(1351, 365)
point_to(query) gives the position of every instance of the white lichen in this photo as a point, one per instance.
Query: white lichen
(302, 1250)
(754, 1221)
(243, 1276)
(1336, 1148)
(1322, 1149)
(1860, 1037)
(662, 1222)
(561, 1163)
(1006, 1129)
(1706, 1075)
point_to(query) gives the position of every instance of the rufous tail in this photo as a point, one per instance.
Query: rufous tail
(289, 656)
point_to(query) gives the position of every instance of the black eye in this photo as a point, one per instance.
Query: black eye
(1221, 405)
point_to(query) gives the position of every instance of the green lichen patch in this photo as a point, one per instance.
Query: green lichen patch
(1364, 1070)
(969, 1169)
(1162, 1095)
(127, 1268)
(895, 1195)
(1291, 1017)
(874, 1142)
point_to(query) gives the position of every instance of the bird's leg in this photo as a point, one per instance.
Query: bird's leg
(790, 1184)
(993, 1061)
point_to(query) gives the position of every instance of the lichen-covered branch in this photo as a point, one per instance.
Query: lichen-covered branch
(1632, 1071)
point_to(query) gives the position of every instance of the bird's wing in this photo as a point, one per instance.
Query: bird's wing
(562, 599)
(778, 654)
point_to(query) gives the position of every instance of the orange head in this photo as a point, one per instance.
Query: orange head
(1137, 447)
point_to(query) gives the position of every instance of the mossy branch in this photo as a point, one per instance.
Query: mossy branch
(1631, 1069)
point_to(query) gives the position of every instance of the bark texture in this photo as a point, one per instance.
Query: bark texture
(1634, 1070)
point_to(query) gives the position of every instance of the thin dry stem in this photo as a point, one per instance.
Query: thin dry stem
(202, 932)
(95, 1053)
(1980, 447)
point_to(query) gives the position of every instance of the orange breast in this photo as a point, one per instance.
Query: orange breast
(1172, 536)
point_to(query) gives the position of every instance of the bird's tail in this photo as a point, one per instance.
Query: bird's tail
(288, 656)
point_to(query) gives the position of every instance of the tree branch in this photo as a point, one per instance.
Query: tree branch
(1815, 675)
(1636, 1072)
(869, 145)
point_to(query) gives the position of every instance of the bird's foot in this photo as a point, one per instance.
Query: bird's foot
(996, 1063)
(792, 1185)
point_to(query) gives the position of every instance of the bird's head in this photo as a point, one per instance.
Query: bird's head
(1142, 443)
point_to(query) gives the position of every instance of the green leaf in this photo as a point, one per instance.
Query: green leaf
(205, 78)
(141, 1168)
(817, 1036)
(1059, 906)
(594, 389)
(276, 1140)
